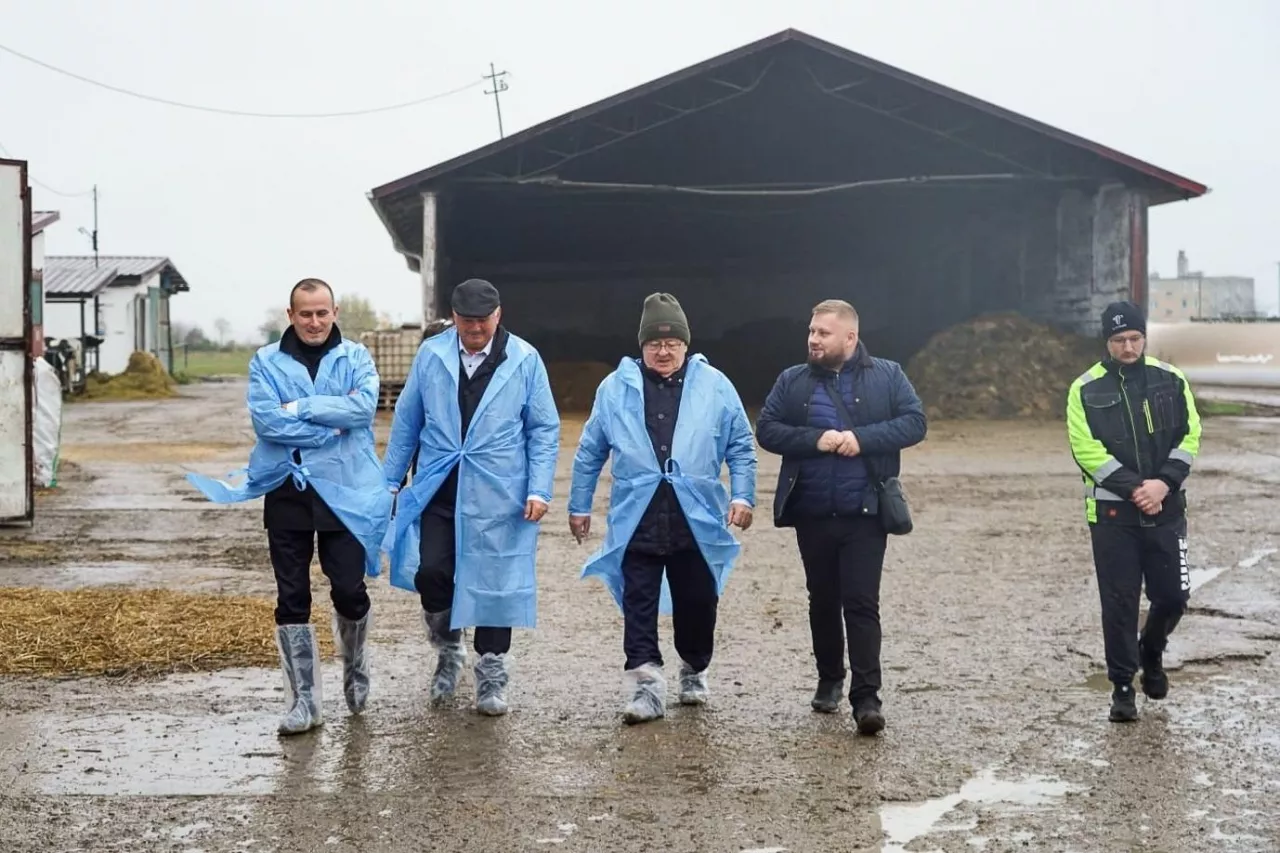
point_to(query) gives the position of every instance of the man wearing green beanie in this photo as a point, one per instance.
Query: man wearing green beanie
(667, 546)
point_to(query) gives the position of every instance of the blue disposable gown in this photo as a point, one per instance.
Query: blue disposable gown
(333, 432)
(711, 430)
(508, 456)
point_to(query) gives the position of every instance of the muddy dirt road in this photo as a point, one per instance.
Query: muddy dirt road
(997, 734)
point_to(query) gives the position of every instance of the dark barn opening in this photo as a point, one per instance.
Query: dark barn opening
(758, 183)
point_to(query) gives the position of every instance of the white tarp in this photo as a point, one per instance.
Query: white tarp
(47, 428)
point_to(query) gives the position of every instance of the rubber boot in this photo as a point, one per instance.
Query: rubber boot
(826, 699)
(646, 694)
(491, 684)
(351, 639)
(693, 685)
(451, 654)
(299, 659)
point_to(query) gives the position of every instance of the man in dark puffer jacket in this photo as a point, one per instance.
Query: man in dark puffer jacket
(827, 491)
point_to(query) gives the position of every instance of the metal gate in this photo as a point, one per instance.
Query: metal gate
(17, 494)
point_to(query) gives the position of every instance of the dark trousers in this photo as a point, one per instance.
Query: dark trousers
(843, 559)
(437, 553)
(693, 603)
(341, 560)
(1124, 556)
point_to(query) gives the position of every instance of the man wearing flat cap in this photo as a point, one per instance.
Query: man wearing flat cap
(671, 423)
(477, 410)
(1134, 432)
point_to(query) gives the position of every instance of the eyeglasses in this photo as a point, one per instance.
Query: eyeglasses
(1128, 340)
(659, 346)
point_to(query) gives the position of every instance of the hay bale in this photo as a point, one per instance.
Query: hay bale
(574, 383)
(999, 367)
(143, 379)
(136, 633)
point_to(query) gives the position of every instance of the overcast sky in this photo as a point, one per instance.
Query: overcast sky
(246, 206)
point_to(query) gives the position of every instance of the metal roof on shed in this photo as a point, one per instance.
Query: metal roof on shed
(126, 266)
(69, 280)
(42, 219)
(893, 110)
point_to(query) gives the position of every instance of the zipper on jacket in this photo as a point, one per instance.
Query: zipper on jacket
(1133, 427)
(1146, 410)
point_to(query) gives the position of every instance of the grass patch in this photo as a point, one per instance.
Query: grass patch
(1222, 408)
(198, 363)
(137, 633)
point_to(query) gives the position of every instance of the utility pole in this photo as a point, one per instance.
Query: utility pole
(93, 235)
(95, 226)
(499, 85)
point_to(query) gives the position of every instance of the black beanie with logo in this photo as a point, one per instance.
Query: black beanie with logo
(1122, 317)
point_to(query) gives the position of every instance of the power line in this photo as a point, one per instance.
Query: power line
(46, 187)
(248, 113)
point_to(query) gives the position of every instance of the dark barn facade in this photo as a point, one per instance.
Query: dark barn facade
(759, 182)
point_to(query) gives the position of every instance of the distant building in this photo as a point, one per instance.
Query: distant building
(111, 307)
(1196, 296)
(40, 220)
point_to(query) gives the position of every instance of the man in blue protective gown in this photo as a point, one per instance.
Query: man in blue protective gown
(671, 423)
(312, 399)
(478, 413)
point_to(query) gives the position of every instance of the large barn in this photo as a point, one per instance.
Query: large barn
(757, 183)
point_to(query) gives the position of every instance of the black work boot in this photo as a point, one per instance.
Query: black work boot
(1155, 683)
(826, 699)
(868, 716)
(1124, 705)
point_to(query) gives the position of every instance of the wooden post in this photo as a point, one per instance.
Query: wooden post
(430, 265)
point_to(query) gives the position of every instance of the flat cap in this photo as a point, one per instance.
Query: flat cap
(475, 297)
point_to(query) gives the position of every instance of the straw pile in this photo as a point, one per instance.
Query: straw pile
(1000, 366)
(144, 379)
(136, 633)
(574, 383)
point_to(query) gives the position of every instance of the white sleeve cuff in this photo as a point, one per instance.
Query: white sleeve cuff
(742, 502)
(292, 408)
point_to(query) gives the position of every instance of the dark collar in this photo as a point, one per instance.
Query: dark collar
(658, 379)
(860, 359)
(291, 344)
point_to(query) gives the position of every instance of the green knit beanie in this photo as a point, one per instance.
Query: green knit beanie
(663, 317)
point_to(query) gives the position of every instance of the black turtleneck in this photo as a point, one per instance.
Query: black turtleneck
(286, 508)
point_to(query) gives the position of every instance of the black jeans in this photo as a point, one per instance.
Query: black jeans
(437, 553)
(693, 603)
(843, 559)
(1124, 556)
(341, 560)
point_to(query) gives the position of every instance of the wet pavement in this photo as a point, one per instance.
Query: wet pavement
(997, 735)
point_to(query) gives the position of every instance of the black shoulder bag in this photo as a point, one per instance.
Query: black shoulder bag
(895, 512)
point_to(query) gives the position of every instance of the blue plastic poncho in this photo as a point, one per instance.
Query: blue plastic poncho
(508, 456)
(333, 431)
(711, 430)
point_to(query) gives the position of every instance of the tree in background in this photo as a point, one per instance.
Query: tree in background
(223, 328)
(356, 315)
(273, 326)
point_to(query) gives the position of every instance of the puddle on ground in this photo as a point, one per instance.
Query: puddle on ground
(142, 754)
(903, 824)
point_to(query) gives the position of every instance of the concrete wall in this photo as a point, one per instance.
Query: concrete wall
(1204, 297)
(1092, 251)
(1059, 258)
